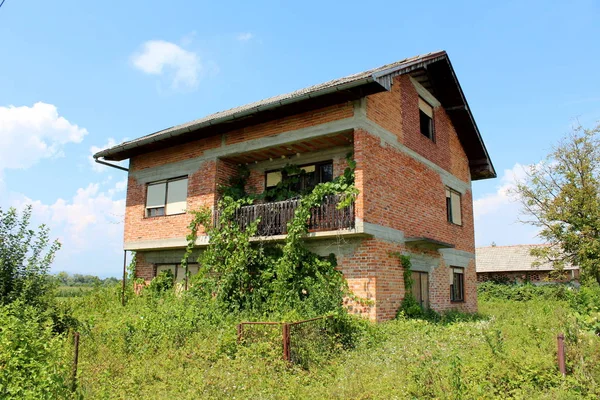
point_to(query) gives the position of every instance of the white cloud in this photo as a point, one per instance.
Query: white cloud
(29, 134)
(492, 201)
(159, 57)
(497, 214)
(244, 37)
(94, 149)
(89, 225)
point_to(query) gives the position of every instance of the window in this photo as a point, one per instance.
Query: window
(453, 207)
(313, 174)
(426, 118)
(457, 286)
(166, 197)
(177, 270)
(420, 287)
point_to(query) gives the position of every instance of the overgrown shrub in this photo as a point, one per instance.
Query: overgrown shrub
(33, 359)
(584, 301)
(25, 258)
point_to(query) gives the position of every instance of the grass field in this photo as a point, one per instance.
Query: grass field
(163, 348)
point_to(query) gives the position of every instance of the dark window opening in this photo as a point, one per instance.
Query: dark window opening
(426, 125)
(457, 288)
(310, 175)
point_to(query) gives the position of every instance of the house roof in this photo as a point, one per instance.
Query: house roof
(510, 259)
(433, 70)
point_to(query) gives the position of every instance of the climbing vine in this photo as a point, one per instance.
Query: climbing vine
(409, 307)
(239, 273)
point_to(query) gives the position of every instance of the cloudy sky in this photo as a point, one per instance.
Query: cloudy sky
(76, 77)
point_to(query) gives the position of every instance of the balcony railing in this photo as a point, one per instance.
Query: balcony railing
(275, 216)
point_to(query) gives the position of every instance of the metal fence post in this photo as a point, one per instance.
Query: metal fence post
(240, 328)
(560, 339)
(75, 360)
(286, 342)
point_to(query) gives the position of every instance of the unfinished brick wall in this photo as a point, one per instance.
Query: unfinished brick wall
(398, 112)
(402, 193)
(397, 191)
(201, 193)
(299, 121)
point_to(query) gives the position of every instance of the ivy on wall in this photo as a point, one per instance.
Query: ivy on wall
(239, 274)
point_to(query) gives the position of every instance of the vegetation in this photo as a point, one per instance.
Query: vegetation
(561, 195)
(32, 323)
(269, 280)
(25, 258)
(177, 345)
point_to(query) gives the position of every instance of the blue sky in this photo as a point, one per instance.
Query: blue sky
(75, 75)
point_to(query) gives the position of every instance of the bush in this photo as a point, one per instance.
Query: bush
(25, 258)
(32, 358)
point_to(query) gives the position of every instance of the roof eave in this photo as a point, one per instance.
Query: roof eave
(177, 131)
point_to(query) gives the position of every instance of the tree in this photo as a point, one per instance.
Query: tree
(561, 196)
(25, 258)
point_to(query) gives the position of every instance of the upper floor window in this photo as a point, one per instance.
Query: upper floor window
(166, 197)
(304, 179)
(426, 118)
(453, 207)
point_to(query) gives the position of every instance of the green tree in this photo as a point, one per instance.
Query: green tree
(25, 258)
(561, 196)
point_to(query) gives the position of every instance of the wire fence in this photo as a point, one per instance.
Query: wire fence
(302, 342)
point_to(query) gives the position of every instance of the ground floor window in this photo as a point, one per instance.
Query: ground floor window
(420, 287)
(177, 270)
(457, 288)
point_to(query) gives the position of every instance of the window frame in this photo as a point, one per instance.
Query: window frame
(449, 206)
(457, 272)
(431, 119)
(423, 303)
(317, 166)
(147, 209)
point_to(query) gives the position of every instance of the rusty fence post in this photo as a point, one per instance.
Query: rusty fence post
(124, 278)
(286, 341)
(240, 331)
(75, 360)
(560, 340)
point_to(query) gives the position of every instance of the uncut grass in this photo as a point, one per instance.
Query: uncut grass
(175, 348)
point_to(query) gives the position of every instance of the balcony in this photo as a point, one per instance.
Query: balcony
(275, 216)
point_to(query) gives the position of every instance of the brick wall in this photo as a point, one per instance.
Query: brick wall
(396, 191)
(201, 192)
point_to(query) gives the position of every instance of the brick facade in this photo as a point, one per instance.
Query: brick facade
(400, 194)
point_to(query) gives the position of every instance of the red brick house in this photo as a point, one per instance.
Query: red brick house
(417, 149)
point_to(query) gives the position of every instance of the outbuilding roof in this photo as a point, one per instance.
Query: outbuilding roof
(516, 258)
(433, 70)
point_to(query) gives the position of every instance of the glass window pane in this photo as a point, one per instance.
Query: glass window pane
(156, 195)
(160, 268)
(326, 172)
(193, 268)
(308, 168)
(177, 196)
(456, 211)
(273, 178)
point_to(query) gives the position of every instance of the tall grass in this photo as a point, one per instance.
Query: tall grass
(177, 347)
